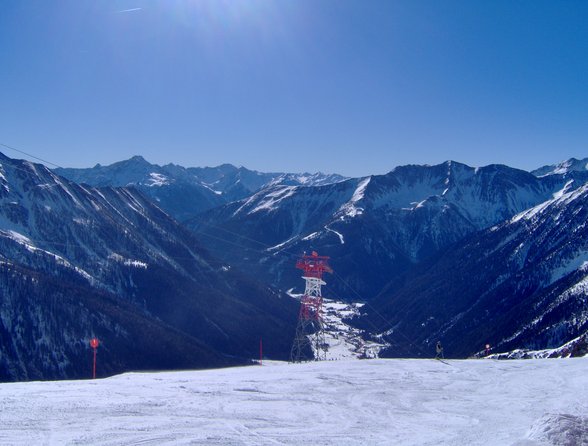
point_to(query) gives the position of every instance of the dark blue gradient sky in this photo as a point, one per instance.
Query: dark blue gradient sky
(353, 87)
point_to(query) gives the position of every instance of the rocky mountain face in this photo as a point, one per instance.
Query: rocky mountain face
(185, 192)
(374, 228)
(78, 261)
(520, 284)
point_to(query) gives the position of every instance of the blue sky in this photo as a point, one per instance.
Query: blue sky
(354, 87)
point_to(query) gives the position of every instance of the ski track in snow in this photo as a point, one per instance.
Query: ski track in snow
(371, 402)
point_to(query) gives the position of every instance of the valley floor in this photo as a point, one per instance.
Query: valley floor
(370, 402)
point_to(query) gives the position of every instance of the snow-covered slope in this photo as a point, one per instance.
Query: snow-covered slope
(374, 228)
(339, 403)
(77, 261)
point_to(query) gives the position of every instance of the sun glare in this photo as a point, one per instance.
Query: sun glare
(223, 13)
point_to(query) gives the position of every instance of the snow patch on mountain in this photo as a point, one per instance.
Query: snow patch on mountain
(17, 237)
(338, 234)
(564, 190)
(563, 168)
(207, 186)
(127, 262)
(564, 197)
(29, 246)
(3, 179)
(582, 286)
(350, 209)
(269, 202)
(157, 180)
(580, 261)
(280, 245)
(273, 200)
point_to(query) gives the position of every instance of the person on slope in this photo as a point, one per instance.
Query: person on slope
(439, 350)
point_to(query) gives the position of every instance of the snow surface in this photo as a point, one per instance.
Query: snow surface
(371, 402)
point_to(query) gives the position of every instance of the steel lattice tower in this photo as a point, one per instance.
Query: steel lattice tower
(310, 334)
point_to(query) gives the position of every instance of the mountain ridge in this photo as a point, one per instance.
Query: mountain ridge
(200, 188)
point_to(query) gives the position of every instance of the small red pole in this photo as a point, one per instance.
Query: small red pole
(94, 368)
(260, 351)
(94, 343)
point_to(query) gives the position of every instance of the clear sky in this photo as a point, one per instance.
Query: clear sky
(355, 87)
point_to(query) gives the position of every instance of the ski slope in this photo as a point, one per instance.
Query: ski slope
(370, 402)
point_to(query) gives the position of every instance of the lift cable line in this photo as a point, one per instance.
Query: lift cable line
(29, 155)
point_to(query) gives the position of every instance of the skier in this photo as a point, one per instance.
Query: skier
(439, 350)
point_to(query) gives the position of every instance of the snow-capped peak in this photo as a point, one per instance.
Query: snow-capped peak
(563, 168)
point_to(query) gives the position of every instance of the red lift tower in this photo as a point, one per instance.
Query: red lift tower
(310, 333)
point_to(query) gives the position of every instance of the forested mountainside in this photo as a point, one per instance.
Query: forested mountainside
(520, 284)
(65, 248)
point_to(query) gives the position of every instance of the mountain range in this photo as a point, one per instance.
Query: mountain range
(177, 267)
(185, 192)
(375, 228)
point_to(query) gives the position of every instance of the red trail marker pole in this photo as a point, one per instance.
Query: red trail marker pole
(94, 343)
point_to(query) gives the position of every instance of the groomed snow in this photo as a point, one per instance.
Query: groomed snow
(371, 402)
